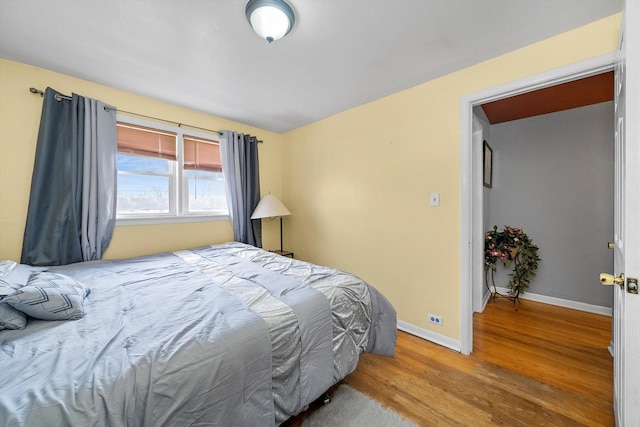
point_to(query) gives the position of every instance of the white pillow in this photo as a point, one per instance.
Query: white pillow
(6, 266)
(50, 296)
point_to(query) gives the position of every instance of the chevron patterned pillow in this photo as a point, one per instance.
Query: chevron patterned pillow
(10, 318)
(50, 296)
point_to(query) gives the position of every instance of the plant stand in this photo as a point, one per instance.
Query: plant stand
(495, 294)
(510, 246)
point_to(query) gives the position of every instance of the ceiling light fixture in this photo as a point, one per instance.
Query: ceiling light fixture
(270, 19)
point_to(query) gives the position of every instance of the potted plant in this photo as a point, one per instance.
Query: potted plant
(510, 246)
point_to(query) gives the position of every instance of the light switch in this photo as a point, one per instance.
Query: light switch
(434, 199)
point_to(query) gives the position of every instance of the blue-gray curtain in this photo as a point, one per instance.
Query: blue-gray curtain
(72, 207)
(239, 155)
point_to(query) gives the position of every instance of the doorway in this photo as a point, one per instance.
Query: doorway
(553, 178)
(472, 245)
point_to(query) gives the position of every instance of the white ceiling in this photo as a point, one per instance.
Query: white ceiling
(202, 54)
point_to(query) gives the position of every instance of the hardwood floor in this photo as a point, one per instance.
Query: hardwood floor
(542, 365)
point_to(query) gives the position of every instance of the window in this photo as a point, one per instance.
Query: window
(203, 176)
(167, 173)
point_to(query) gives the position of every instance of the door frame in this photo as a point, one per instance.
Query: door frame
(471, 190)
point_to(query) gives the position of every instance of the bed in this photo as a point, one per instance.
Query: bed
(221, 335)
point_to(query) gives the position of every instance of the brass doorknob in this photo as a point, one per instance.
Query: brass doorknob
(608, 279)
(610, 245)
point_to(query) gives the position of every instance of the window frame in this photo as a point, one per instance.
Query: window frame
(178, 183)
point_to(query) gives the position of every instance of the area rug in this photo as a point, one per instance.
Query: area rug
(350, 408)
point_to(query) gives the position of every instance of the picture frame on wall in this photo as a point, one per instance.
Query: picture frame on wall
(487, 161)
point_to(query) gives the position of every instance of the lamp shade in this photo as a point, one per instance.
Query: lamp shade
(270, 19)
(270, 207)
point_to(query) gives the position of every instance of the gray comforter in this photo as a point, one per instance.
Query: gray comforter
(225, 335)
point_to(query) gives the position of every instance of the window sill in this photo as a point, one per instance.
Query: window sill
(126, 221)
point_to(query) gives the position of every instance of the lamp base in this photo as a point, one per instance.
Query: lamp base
(283, 253)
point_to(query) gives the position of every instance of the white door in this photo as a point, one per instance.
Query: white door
(626, 310)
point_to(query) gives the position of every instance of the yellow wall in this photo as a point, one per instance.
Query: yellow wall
(19, 120)
(358, 183)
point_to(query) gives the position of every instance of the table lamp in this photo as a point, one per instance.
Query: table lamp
(271, 207)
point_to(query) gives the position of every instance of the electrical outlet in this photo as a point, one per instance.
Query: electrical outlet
(436, 320)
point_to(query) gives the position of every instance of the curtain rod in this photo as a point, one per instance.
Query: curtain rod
(61, 97)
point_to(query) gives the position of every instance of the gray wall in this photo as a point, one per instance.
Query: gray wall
(553, 177)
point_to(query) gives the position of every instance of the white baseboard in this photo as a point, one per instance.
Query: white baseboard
(597, 309)
(429, 335)
(455, 345)
(485, 301)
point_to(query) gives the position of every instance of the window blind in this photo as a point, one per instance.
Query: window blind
(202, 154)
(146, 142)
